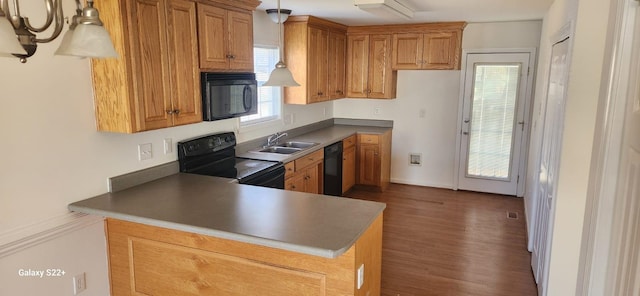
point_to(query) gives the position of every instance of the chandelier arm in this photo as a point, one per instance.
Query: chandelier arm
(59, 18)
(50, 16)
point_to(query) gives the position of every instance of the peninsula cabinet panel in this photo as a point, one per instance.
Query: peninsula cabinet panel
(226, 39)
(369, 73)
(155, 81)
(148, 260)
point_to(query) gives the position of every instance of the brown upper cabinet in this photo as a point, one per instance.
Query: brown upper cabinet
(155, 81)
(369, 73)
(226, 39)
(315, 54)
(434, 46)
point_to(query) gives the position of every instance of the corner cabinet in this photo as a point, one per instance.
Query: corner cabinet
(226, 39)
(374, 161)
(435, 46)
(155, 81)
(315, 54)
(369, 73)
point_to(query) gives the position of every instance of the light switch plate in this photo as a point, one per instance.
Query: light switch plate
(168, 145)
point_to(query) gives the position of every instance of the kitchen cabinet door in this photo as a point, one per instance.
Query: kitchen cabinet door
(149, 28)
(441, 51)
(373, 161)
(240, 41)
(318, 65)
(226, 39)
(369, 165)
(212, 22)
(337, 65)
(369, 73)
(382, 79)
(183, 60)
(348, 168)
(297, 182)
(357, 66)
(407, 51)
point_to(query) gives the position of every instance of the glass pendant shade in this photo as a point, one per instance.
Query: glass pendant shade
(281, 76)
(273, 14)
(9, 43)
(90, 41)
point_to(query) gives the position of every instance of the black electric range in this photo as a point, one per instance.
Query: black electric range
(214, 155)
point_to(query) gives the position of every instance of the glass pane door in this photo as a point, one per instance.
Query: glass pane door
(493, 108)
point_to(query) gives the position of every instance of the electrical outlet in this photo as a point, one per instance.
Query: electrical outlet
(168, 145)
(376, 111)
(360, 276)
(144, 151)
(79, 283)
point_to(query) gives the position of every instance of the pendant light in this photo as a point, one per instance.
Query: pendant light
(280, 76)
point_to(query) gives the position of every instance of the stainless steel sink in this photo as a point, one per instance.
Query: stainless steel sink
(297, 144)
(281, 150)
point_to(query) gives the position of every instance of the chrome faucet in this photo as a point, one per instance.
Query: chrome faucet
(273, 139)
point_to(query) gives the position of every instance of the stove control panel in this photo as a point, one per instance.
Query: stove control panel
(206, 144)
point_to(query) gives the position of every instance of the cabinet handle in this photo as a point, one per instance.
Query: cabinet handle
(176, 112)
(376, 154)
(230, 56)
(170, 112)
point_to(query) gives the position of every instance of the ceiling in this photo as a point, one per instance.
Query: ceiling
(344, 12)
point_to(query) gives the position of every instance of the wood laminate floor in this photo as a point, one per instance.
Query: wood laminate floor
(443, 242)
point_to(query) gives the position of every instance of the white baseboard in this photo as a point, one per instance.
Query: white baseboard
(427, 184)
(19, 239)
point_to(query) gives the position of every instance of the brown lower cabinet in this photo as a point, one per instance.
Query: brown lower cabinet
(348, 163)
(148, 260)
(374, 161)
(305, 174)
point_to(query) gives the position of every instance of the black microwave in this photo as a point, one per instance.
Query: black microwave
(227, 95)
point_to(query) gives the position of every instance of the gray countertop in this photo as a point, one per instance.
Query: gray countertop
(323, 137)
(300, 222)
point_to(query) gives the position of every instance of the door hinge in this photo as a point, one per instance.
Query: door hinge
(529, 68)
(518, 179)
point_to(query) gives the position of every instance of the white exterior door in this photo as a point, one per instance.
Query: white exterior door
(493, 122)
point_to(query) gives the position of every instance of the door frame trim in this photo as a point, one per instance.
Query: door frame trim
(598, 230)
(527, 110)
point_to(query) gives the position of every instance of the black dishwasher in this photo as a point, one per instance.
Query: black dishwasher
(333, 169)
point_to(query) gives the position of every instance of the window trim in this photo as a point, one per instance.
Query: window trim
(273, 119)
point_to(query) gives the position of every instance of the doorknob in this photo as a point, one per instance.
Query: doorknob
(465, 133)
(466, 121)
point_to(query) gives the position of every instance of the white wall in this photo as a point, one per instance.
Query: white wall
(437, 92)
(51, 154)
(591, 20)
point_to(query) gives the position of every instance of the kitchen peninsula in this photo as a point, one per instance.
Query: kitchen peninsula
(199, 235)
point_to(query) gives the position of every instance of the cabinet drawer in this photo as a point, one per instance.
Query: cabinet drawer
(348, 142)
(309, 159)
(368, 139)
(289, 169)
